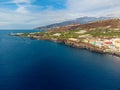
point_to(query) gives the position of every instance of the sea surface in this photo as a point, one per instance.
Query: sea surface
(29, 64)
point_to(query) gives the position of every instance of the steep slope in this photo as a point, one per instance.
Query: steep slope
(111, 23)
(82, 20)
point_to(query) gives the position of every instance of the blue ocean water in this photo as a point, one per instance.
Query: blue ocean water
(43, 65)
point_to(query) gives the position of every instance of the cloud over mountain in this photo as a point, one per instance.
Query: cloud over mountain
(32, 13)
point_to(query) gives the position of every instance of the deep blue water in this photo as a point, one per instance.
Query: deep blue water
(44, 65)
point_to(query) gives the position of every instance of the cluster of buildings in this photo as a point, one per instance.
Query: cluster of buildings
(109, 45)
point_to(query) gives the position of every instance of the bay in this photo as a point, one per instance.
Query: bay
(36, 64)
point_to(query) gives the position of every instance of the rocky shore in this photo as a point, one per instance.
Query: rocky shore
(80, 45)
(102, 36)
(89, 47)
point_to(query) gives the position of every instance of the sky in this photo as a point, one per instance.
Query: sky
(28, 14)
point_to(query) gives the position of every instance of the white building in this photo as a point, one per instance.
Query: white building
(81, 32)
(73, 39)
(57, 34)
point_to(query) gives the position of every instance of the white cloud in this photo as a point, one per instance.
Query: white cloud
(22, 10)
(22, 5)
(23, 17)
(22, 1)
(94, 7)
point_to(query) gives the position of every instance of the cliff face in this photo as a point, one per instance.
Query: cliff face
(84, 46)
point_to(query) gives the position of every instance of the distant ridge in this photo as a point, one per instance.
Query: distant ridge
(81, 20)
(110, 23)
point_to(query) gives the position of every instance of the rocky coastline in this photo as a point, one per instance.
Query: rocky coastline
(101, 37)
(80, 45)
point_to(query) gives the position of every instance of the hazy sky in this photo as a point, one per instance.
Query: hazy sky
(26, 14)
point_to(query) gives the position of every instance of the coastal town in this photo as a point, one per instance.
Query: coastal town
(104, 39)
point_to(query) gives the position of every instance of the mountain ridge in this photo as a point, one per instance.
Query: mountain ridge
(110, 23)
(81, 20)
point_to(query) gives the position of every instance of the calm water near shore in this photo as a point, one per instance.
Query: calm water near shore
(28, 63)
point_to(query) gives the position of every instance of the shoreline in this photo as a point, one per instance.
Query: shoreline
(101, 36)
(80, 45)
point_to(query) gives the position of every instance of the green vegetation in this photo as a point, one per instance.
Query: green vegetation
(98, 32)
(69, 34)
(64, 35)
(25, 34)
(104, 32)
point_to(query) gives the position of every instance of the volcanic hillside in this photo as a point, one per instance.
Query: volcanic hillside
(112, 24)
